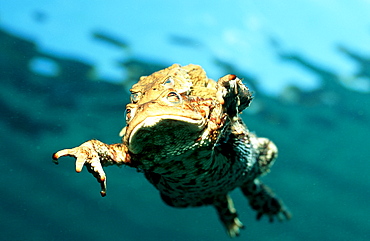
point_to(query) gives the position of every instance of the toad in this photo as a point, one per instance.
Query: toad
(185, 134)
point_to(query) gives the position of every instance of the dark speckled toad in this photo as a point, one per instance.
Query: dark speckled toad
(185, 134)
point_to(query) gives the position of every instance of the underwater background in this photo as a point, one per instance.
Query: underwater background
(66, 68)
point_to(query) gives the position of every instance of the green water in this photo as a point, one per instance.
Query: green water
(321, 172)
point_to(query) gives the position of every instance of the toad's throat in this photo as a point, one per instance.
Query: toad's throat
(164, 130)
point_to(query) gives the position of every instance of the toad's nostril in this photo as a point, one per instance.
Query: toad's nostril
(128, 115)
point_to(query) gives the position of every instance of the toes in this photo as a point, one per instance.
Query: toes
(95, 168)
(287, 214)
(74, 152)
(280, 216)
(86, 156)
(103, 186)
(57, 155)
(55, 158)
(234, 228)
(80, 162)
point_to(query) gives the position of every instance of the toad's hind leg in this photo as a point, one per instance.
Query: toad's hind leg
(264, 201)
(261, 197)
(267, 153)
(227, 214)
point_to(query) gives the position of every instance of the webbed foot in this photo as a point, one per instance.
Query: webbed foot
(264, 201)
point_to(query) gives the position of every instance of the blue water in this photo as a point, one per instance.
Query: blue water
(51, 100)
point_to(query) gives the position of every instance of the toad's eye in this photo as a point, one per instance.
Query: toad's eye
(135, 97)
(169, 83)
(174, 98)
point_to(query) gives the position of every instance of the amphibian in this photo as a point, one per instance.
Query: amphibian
(185, 134)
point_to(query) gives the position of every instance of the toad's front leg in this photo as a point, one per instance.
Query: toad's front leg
(94, 155)
(233, 94)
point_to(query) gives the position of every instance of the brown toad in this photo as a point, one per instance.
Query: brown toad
(185, 134)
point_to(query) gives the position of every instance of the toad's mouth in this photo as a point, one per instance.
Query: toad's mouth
(159, 131)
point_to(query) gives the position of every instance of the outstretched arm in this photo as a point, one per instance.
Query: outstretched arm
(94, 155)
